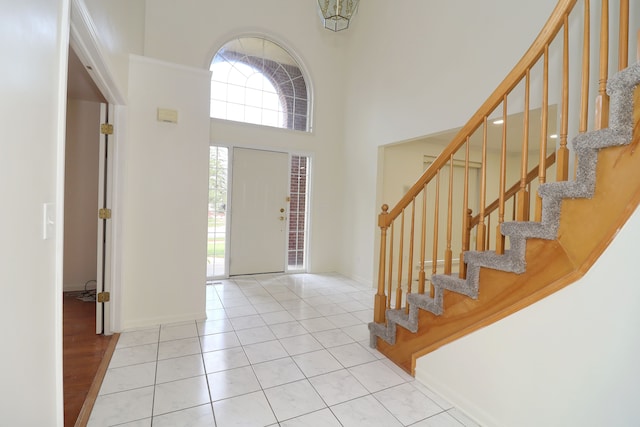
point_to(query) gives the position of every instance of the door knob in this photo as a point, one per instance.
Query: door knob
(282, 218)
(281, 210)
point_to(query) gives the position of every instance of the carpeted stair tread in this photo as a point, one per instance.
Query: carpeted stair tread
(454, 284)
(566, 190)
(386, 332)
(489, 259)
(603, 138)
(425, 302)
(401, 317)
(620, 88)
(527, 230)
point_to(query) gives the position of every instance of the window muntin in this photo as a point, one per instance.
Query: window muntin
(256, 81)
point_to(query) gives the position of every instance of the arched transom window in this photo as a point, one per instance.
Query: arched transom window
(254, 80)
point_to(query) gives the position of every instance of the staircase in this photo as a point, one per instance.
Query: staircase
(574, 219)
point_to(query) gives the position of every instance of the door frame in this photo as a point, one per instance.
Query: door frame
(85, 43)
(105, 228)
(290, 152)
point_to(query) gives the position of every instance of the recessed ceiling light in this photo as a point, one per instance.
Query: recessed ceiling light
(498, 122)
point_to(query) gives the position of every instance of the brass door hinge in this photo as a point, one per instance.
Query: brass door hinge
(104, 213)
(103, 297)
(106, 129)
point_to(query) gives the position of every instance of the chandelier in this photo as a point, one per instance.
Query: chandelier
(336, 14)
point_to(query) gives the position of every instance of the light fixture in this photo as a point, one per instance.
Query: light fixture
(498, 122)
(336, 14)
(553, 136)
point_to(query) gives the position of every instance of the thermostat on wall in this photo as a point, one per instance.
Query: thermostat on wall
(166, 115)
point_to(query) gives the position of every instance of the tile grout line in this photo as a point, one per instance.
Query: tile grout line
(155, 376)
(306, 377)
(336, 298)
(206, 376)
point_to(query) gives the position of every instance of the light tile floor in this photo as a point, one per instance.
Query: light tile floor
(275, 350)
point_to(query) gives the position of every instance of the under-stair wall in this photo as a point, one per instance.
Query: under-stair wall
(568, 360)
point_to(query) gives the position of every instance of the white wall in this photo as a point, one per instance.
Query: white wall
(191, 32)
(32, 107)
(416, 70)
(119, 26)
(81, 194)
(568, 360)
(164, 195)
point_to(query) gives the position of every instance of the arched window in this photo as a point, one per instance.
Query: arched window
(254, 80)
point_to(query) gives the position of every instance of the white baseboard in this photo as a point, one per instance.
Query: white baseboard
(156, 321)
(468, 408)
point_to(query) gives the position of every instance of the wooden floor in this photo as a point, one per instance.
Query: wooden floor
(83, 352)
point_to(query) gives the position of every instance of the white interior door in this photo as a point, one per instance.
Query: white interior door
(103, 279)
(258, 211)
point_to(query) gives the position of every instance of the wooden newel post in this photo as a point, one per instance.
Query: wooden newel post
(380, 302)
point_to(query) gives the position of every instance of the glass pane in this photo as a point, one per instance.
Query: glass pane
(253, 115)
(236, 94)
(220, 71)
(253, 98)
(217, 216)
(270, 101)
(271, 118)
(235, 112)
(256, 81)
(218, 109)
(297, 213)
(218, 91)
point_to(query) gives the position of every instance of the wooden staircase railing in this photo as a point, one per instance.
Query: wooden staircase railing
(518, 214)
(550, 84)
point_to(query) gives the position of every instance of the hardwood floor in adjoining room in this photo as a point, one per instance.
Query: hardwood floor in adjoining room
(83, 351)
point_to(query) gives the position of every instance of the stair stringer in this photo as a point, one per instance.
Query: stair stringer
(544, 241)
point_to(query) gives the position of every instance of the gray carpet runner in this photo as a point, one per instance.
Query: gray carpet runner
(620, 90)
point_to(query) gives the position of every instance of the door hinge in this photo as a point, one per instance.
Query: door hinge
(104, 213)
(106, 129)
(103, 297)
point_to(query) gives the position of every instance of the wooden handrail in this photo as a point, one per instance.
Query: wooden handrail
(546, 35)
(513, 190)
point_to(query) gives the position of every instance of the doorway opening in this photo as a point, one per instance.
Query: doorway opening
(292, 213)
(84, 344)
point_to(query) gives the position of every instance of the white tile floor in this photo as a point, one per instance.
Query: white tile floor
(275, 350)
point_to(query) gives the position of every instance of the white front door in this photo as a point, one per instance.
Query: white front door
(258, 211)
